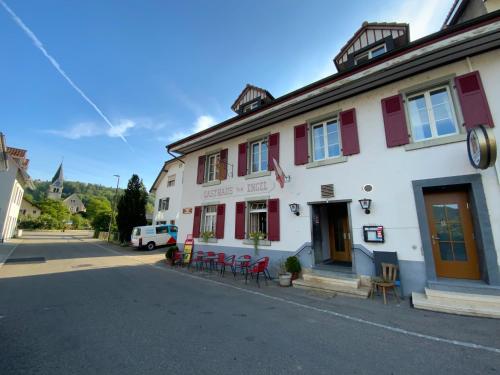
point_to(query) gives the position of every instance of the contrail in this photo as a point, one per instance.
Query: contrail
(38, 44)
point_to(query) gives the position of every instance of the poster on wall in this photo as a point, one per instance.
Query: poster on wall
(373, 233)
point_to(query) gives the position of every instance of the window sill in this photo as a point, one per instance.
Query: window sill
(210, 240)
(211, 183)
(436, 142)
(261, 242)
(257, 174)
(320, 163)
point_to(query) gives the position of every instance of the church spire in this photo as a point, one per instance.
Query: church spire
(56, 185)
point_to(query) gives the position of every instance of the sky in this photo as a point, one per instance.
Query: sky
(105, 85)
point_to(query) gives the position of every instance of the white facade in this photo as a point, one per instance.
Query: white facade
(168, 190)
(11, 195)
(391, 171)
(74, 204)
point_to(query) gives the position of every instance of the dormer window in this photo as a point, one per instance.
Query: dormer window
(251, 98)
(370, 54)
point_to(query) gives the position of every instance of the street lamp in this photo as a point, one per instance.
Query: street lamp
(114, 204)
(294, 207)
(365, 204)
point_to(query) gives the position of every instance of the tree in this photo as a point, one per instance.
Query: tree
(55, 210)
(131, 208)
(100, 222)
(97, 205)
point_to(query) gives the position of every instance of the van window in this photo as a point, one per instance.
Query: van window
(162, 229)
(137, 232)
(173, 229)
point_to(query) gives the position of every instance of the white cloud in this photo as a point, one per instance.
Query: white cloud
(203, 122)
(90, 129)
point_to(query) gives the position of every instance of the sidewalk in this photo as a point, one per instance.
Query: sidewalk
(7, 248)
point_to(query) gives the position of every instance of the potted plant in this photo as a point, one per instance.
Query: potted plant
(256, 237)
(292, 265)
(284, 277)
(170, 254)
(206, 235)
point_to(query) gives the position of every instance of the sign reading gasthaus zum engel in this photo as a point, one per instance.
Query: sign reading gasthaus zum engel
(236, 190)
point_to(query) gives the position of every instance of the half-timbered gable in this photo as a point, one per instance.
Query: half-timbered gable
(252, 97)
(370, 41)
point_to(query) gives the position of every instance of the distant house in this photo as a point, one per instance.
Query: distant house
(29, 209)
(74, 204)
(13, 180)
(168, 190)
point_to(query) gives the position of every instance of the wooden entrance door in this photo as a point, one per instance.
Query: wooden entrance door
(452, 235)
(340, 234)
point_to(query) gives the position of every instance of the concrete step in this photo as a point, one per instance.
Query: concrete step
(332, 288)
(332, 280)
(457, 303)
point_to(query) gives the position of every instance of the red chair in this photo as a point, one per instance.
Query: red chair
(228, 261)
(209, 259)
(178, 258)
(219, 261)
(242, 262)
(257, 268)
(198, 260)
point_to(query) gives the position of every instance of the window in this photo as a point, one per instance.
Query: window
(258, 156)
(326, 139)
(251, 106)
(212, 168)
(431, 114)
(209, 218)
(171, 181)
(162, 229)
(257, 217)
(374, 52)
(163, 204)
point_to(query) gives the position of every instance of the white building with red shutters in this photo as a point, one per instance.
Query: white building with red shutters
(388, 129)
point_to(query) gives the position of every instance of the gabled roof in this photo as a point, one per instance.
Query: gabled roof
(250, 87)
(16, 152)
(372, 25)
(163, 172)
(455, 11)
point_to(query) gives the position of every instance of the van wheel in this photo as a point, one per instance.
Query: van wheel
(150, 246)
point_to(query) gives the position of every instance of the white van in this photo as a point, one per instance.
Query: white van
(152, 236)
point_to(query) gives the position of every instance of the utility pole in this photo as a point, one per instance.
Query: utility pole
(114, 204)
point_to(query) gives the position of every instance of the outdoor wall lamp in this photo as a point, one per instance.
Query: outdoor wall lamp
(294, 207)
(365, 204)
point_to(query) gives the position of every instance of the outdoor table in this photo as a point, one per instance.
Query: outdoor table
(211, 259)
(241, 261)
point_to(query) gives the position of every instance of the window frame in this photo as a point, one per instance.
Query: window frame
(260, 142)
(426, 92)
(369, 53)
(250, 211)
(163, 204)
(216, 170)
(212, 215)
(324, 125)
(171, 180)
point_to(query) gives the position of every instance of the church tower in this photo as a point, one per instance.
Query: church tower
(56, 186)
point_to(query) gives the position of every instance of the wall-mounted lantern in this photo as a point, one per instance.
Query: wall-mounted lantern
(294, 207)
(365, 204)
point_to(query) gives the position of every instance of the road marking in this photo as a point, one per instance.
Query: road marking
(464, 344)
(10, 253)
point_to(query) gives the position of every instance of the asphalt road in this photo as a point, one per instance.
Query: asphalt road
(93, 309)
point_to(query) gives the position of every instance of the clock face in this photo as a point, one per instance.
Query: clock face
(474, 149)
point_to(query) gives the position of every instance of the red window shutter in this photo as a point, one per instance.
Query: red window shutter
(242, 159)
(239, 231)
(219, 224)
(273, 217)
(274, 150)
(396, 132)
(475, 108)
(223, 164)
(301, 151)
(197, 221)
(201, 170)
(349, 132)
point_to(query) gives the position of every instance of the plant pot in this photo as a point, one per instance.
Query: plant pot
(285, 279)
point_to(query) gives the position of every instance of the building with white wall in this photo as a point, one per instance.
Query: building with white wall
(29, 209)
(13, 180)
(167, 189)
(74, 204)
(389, 127)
